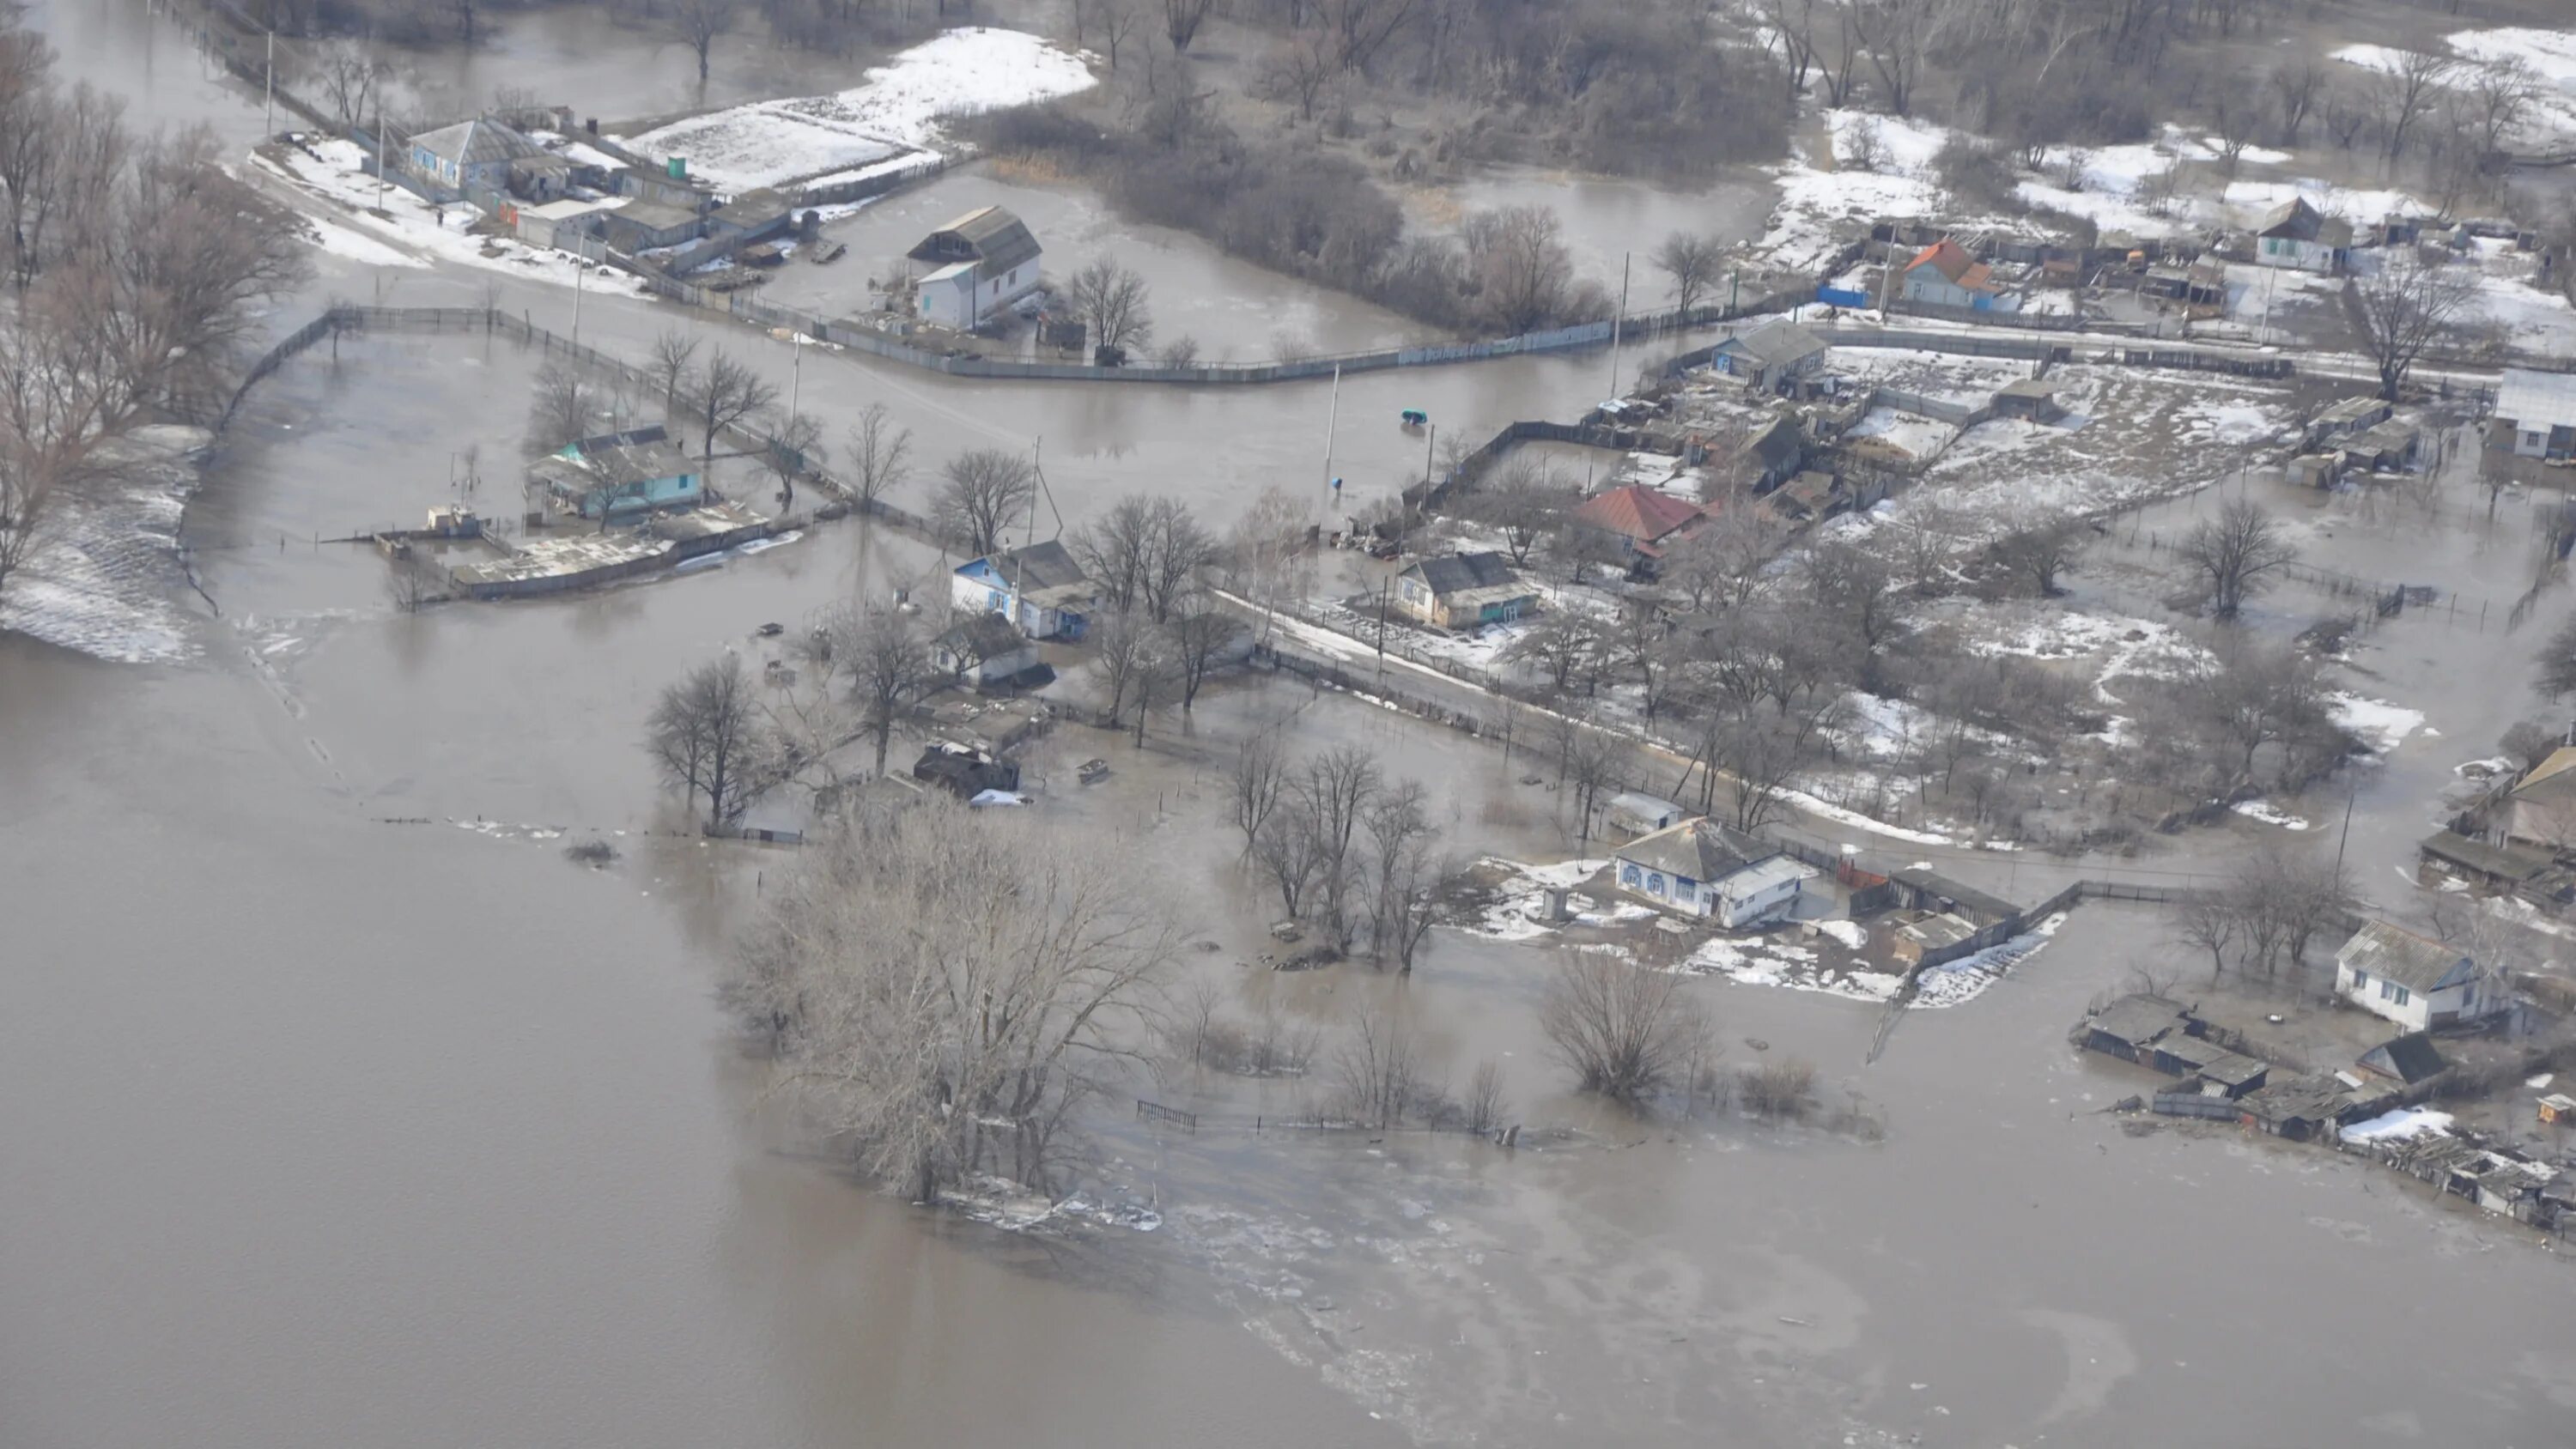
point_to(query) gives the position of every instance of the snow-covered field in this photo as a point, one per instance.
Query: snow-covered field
(896, 108)
(106, 580)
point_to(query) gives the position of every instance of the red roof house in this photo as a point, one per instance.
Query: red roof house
(1644, 517)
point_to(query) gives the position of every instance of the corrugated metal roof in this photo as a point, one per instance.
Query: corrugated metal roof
(2393, 953)
(1700, 850)
(2537, 399)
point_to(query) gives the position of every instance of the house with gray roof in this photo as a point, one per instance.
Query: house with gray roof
(1703, 868)
(1463, 591)
(978, 264)
(471, 155)
(2413, 980)
(1039, 587)
(1769, 355)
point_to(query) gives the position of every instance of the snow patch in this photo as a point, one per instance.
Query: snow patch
(2399, 1125)
(897, 108)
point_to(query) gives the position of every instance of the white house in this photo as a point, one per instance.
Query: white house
(471, 155)
(1702, 868)
(2540, 407)
(983, 650)
(2297, 235)
(980, 263)
(2412, 980)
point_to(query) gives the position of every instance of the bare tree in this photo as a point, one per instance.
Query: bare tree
(944, 993)
(1778, 1089)
(1692, 262)
(1524, 274)
(2405, 307)
(1257, 782)
(1111, 299)
(2499, 96)
(2236, 114)
(2206, 921)
(562, 406)
(2557, 678)
(1400, 835)
(1720, 563)
(350, 77)
(882, 656)
(2405, 91)
(1381, 1079)
(668, 365)
(1523, 498)
(1182, 19)
(2236, 555)
(1625, 1032)
(1201, 631)
(2040, 549)
(412, 583)
(2295, 89)
(1328, 798)
(793, 448)
(729, 392)
(706, 735)
(878, 450)
(53, 412)
(1117, 20)
(984, 492)
(1298, 67)
(698, 24)
(1486, 1107)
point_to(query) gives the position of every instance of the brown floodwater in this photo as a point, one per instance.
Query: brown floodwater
(345, 1111)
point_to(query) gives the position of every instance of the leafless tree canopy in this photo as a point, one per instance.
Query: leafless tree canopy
(1623, 1031)
(699, 24)
(2236, 555)
(2406, 306)
(710, 739)
(1145, 554)
(561, 408)
(1112, 301)
(671, 366)
(945, 992)
(878, 657)
(1523, 498)
(1692, 263)
(877, 453)
(730, 392)
(985, 491)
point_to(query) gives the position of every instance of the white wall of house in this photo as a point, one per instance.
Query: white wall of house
(2286, 251)
(2411, 1009)
(1751, 908)
(986, 597)
(950, 301)
(1679, 892)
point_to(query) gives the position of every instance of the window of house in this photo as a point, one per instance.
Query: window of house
(2360, 979)
(2384, 989)
(2401, 996)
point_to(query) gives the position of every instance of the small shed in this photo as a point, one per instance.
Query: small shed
(2130, 1027)
(2315, 470)
(2410, 1060)
(2520, 869)
(643, 225)
(1769, 355)
(2346, 416)
(983, 650)
(1639, 814)
(1924, 890)
(2557, 1107)
(2032, 400)
(2383, 445)
(1932, 935)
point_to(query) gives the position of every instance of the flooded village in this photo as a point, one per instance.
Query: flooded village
(1133, 724)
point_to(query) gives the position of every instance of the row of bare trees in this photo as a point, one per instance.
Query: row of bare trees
(1351, 853)
(139, 264)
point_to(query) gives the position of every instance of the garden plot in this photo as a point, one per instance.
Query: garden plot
(898, 108)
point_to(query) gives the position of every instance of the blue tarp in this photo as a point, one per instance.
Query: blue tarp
(1841, 297)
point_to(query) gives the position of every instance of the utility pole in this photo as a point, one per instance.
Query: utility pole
(1332, 417)
(268, 82)
(796, 377)
(380, 152)
(1620, 317)
(2349, 791)
(579, 265)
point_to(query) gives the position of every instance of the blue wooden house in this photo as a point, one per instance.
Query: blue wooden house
(1051, 595)
(620, 475)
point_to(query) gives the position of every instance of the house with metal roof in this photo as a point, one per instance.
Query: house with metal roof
(2297, 235)
(1463, 591)
(1703, 868)
(1639, 520)
(1774, 353)
(471, 155)
(982, 650)
(978, 264)
(2541, 808)
(1039, 587)
(2541, 409)
(2411, 979)
(619, 475)
(1944, 275)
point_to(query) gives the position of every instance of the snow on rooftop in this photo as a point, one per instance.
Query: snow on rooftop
(2399, 1125)
(899, 106)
